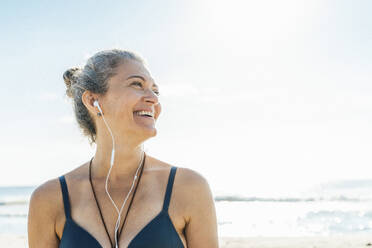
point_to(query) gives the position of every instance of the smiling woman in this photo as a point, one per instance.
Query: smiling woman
(116, 104)
(94, 78)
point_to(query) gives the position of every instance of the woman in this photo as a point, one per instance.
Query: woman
(116, 104)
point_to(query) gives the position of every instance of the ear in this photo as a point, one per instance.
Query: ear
(88, 99)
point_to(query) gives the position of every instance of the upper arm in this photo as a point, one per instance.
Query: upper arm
(201, 227)
(42, 215)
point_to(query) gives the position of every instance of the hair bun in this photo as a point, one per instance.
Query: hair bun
(70, 78)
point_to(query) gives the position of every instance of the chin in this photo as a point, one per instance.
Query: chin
(154, 132)
(149, 132)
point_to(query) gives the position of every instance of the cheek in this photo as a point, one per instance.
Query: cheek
(157, 110)
(123, 109)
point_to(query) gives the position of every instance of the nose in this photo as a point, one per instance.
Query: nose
(151, 97)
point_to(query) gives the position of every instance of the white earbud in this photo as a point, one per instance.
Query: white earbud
(95, 103)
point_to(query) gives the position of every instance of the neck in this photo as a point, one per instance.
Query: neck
(126, 161)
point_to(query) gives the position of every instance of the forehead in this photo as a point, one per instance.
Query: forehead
(130, 68)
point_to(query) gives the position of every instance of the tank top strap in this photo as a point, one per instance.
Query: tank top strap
(168, 192)
(66, 202)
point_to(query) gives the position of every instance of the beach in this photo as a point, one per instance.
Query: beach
(336, 241)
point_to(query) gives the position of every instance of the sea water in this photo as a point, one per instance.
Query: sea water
(336, 208)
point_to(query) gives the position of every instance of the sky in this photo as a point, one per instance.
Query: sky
(260, 97)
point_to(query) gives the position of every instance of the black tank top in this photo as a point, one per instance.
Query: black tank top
(158, 233)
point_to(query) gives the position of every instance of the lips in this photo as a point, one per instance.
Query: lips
(144, 113)
(144, 116)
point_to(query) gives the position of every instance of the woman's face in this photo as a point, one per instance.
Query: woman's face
(131, 89)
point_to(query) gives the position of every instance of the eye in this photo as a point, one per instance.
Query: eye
(139, 83)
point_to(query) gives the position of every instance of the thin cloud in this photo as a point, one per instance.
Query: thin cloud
(49, 96)
(66, 119)
(179, 90)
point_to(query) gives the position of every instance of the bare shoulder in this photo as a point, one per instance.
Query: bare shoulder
(188, 182)
(46, 192)
(193, 200)
(194, 192)
(44, 207)
(192, 182)
(46, 197)
(199, 209)
(190, 178)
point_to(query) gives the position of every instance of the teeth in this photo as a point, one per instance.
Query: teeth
(144, 113)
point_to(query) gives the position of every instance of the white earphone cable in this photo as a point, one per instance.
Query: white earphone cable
(108, 174)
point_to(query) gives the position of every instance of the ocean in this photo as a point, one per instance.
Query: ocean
(332, 208)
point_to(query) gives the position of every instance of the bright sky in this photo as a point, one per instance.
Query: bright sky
(260, 97)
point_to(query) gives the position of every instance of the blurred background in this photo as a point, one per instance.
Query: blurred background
(271, 101)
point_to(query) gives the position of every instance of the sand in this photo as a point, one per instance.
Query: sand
(339, 241)
(344, 241)
(13, 241)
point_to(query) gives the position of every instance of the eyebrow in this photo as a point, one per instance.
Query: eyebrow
(138, 76)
